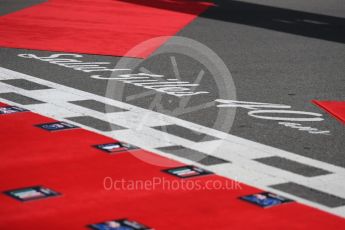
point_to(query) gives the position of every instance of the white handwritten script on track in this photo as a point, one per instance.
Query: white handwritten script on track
(277, 112)
(155, 82)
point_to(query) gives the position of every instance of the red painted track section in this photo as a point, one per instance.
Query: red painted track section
(66, 162)
(105, 27)
(335, 108)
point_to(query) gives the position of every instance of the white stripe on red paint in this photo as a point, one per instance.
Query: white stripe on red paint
(239, 151)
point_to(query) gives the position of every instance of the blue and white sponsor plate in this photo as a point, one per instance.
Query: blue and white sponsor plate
(31, 193)
(115, 147)
(265, 199)
(122, 224)
(56, 126)
(187, 171)
(11, 110)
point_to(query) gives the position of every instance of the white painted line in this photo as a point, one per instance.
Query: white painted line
(239, 151)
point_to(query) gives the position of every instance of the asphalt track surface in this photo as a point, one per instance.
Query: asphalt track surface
(270, 66)
(286, 53)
